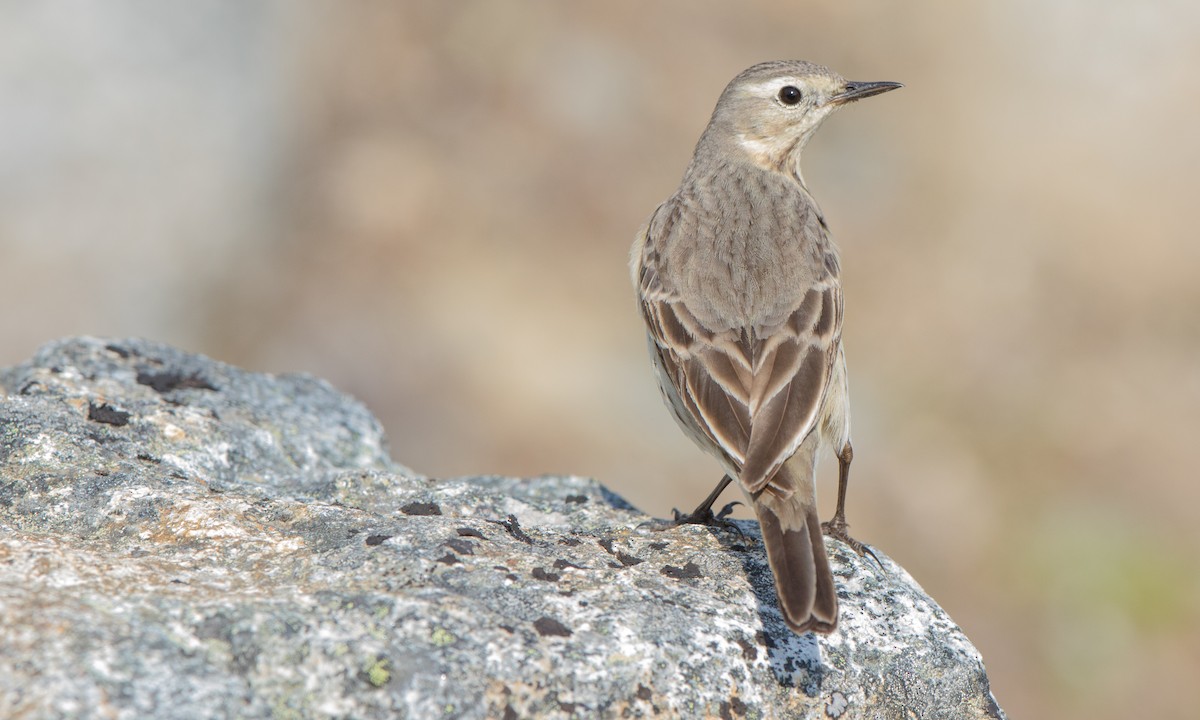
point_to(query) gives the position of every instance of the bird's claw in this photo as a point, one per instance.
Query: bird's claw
(838, 528)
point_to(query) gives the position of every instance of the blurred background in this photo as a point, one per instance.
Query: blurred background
(431, 204)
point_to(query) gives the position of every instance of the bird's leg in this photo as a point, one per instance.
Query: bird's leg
(703, 514)
(838, 527)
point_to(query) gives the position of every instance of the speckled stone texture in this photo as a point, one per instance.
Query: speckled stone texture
(183, 539)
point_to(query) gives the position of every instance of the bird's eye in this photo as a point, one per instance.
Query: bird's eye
(790, 95)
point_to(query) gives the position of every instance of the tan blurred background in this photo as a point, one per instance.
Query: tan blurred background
(431, 204)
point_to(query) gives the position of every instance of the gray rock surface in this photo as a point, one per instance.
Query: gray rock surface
(183, 539)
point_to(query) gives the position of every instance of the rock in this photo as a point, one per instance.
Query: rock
(183, 539)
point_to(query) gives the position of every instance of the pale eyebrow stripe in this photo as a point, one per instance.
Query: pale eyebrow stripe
(773, 83)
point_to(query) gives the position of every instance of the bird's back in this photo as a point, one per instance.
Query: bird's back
(742, 244)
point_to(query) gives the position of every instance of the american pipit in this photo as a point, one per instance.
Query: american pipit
(739, 285)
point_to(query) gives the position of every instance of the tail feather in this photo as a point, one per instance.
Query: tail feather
(796, 552)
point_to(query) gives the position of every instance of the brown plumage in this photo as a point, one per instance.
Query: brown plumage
(739, 286)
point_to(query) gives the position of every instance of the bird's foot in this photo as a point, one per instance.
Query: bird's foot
(700, 516)
(838, 528)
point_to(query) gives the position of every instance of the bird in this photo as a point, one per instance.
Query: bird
(739, 284)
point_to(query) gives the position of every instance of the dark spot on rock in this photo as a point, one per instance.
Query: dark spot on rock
(513, 528)
(560, 564)
(657, 546)
(107, 414)
(421, 508)
(509, 713)
(690, 571)
(146, 457)
(448, 559)
(549, 626)
(623, 558)
(462, 547)
(644, 693)
(576, 499)
(628, 560)
(120, 351)
(540, 574)
(512, 576)
(568, 708)
(373, 540)
(569, 542)
(726, 713)
(764, 639)
(470, 532)
(748, 650)
(29, 387)
(738, 548)
(168, 380)
(508, 629)
(737, 706)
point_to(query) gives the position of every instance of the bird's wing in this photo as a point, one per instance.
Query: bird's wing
(792, 370)
(754, 392)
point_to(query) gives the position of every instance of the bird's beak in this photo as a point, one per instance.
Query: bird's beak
(859, 90)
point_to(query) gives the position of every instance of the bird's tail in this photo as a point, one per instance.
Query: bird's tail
(787, 513)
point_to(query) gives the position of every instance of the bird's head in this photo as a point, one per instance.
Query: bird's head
(770, 110)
